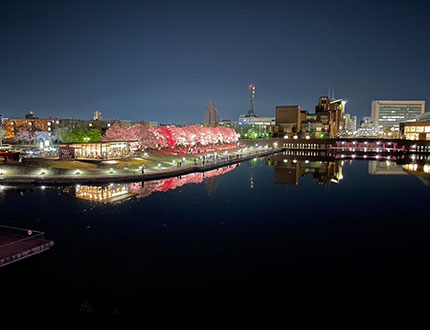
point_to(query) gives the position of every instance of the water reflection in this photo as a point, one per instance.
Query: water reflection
(120, 191)
(324, 167)
(289, 168)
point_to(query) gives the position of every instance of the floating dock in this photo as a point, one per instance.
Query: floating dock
(17, 244)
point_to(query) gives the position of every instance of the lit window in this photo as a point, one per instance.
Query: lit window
(412, 128)
(420, 129)
(427, 129)
(407, 129)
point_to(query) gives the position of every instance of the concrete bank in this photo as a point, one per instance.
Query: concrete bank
(111, 178)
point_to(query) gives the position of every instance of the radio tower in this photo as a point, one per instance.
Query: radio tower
(251, 112)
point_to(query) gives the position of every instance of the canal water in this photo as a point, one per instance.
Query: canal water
(267, 225)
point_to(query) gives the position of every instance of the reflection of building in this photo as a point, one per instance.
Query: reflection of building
(385, 168)
(288, 170)
(118, 191)
(97, 151)
(103, 194)
(421, 171)
(387, 115)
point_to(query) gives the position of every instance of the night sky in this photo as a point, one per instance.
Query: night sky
(164, 60)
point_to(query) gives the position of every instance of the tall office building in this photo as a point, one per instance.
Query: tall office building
(387, 115)
(332, 113)
(350, 124)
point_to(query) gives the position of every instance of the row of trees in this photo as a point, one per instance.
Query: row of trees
(172, 136)
(65, 135)
(147, 137)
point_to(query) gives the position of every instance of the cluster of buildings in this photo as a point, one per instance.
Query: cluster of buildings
(32, 123)
(389, 119)
(329, 119)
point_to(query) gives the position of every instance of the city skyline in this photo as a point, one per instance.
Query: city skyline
(165, 62)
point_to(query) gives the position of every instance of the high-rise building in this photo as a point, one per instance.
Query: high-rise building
(331, 112)
(388, 114)
(350, 124)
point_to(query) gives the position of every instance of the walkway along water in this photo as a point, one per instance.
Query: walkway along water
(138, 176)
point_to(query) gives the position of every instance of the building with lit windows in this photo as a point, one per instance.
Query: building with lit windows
(104, 194)
(332, 113)
(419, 130)
(97, 150)
(32, 123)
(387, 115)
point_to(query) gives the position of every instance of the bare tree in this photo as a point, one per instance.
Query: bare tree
(212, 117)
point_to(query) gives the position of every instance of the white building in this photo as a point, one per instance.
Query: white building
(350, 124)
(386, 115)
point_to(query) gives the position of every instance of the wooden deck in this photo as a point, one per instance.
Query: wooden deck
(17, 246)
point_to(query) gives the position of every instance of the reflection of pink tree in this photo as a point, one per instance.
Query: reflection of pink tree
(164, 185)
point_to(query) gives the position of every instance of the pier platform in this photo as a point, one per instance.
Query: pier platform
(17, 244)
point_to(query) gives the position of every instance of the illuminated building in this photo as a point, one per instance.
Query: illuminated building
(97, 150)
(32, 123)
(332, 113)
(419, 130)
(288, 118)
(387, 115)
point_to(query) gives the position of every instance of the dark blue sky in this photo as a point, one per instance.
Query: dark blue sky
(165, 60)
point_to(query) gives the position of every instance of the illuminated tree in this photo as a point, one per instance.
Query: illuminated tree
(166, 137)
(25, 135)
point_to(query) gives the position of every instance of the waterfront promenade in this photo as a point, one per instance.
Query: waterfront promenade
(195, 163)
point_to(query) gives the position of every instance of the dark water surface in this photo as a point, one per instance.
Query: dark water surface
(245, 229)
